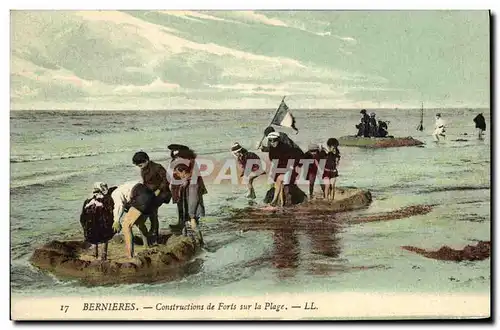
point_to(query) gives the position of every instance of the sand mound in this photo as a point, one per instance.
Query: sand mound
(74, 259)
(480, 251)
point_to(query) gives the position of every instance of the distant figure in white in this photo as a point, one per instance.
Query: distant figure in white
(440, 128)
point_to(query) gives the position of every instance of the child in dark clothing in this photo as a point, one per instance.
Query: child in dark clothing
(187, 192)
(331, 158)
(313, 153)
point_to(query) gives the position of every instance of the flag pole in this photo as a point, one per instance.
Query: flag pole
(275, 114)
(420, 127)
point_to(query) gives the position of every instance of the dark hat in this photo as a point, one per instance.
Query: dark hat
(177, 147)
(363, 111)
(332, 142)
(236, 147)
(140, 157)
(438, 115)
(268, 130)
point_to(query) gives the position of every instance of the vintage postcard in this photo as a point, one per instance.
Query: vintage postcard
(250, 165)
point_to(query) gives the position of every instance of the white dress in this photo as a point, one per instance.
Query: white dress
(121, 196)
(440, 127)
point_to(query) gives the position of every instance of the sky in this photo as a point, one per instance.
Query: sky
(148, 60)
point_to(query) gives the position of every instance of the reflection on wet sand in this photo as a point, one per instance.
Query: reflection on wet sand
(317, 222)
(323, 235)
(287, 254)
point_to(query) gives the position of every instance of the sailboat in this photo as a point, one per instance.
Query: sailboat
(420, 127)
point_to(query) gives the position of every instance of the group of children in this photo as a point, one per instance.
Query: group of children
(327, 159)
(113, 209)
(321, 164)
(370, 127)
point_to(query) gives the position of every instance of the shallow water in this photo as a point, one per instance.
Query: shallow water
(56, 156)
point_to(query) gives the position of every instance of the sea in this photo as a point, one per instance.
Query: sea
(56, 156)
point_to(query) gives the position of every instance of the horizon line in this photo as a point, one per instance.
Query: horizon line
(267, 109)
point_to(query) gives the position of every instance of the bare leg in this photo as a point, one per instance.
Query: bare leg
(435, 135)
(277, 189)
(311, 188)
(328, 187)
(281, 195)
(193, 223)
(129, 220)
(332, 189)
(155, 227)
(251, 190)
(105, 252)
(144, 233)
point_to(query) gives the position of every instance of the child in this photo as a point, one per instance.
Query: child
(187, 192)
(313, 153)
(96, 218)
(330, 173)
(440, 128)
(243, 155)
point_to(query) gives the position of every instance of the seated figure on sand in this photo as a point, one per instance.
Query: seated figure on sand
(382, 129)
(250, 166)
(187, 188)
(286, 159)
(133, 203)
(96, 218)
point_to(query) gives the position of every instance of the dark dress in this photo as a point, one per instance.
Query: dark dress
(364, 126)
(382, 129)
(372, 126)
(281, 154)
(480, 122)
(96, 219)
(143, 199)
(312, 172)
(332, 159)
(243, 160)
(189, 196)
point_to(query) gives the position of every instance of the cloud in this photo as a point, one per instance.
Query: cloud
(164, 40)
(158, 86)
(126, 60)
(317, 89)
